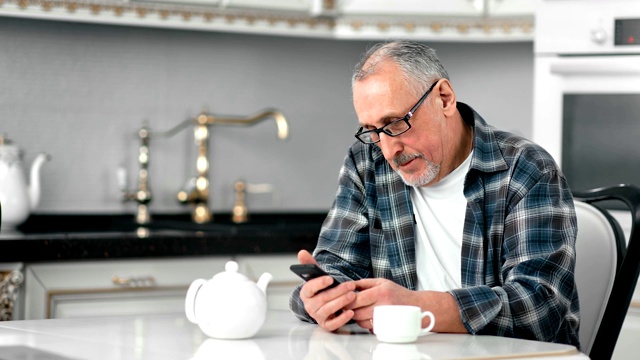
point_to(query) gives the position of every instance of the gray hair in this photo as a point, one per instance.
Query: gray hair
(418, 63)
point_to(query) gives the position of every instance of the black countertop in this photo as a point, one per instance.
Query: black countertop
(85, 237)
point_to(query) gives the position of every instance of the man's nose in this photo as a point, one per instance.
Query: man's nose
(390, 145)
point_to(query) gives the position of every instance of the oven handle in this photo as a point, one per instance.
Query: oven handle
(611, 65)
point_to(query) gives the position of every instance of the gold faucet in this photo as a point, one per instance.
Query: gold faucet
(197, 190)
(143, 193)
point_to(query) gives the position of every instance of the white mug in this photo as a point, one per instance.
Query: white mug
(400, 323)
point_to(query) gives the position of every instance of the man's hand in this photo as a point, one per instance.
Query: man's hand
(373, 292)
(323, 306)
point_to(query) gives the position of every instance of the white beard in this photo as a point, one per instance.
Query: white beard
(430, 172)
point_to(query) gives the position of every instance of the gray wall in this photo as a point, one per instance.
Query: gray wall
(80, 91)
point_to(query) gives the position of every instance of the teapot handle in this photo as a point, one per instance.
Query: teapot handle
(190, 301)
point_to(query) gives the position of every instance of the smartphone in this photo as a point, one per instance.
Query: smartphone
(311, 271)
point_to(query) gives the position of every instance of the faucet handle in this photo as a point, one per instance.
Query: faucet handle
(240, 211)
(259, 188)
(187, 193)
(241, 188)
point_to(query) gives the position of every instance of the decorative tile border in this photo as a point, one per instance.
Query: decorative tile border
(165, 11)
(10, 283)
(472, 29)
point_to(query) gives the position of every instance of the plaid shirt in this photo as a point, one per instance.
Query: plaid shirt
(518, 252)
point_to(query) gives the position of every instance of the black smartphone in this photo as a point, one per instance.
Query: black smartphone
(311, 271)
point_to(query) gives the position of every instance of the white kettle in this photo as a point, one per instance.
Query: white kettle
(18, 198)
(228, 306)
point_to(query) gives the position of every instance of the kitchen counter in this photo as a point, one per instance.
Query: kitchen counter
(85, 237)
(171, 336)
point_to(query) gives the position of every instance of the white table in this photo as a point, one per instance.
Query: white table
(172, 337)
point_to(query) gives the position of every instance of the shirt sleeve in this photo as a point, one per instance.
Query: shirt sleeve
(343, 244)
(536, 290)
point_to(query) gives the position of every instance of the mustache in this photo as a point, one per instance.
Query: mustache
(405, 158)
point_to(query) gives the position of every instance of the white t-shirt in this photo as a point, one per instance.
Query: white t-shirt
(440, 212)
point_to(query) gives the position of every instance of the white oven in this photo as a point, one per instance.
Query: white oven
(587, 89)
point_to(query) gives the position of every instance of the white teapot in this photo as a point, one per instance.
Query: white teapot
(17, 197)
(228, 306)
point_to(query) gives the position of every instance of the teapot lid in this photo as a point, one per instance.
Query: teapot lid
(230, 274)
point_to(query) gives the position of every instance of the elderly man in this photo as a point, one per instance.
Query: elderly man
(435, 208)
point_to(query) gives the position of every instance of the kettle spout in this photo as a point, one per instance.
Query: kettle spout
(264, 281)
(34, 179)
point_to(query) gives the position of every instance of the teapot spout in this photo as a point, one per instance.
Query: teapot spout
(34, 179)
(264, 281)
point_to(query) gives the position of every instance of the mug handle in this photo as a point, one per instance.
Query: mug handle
(432, 322)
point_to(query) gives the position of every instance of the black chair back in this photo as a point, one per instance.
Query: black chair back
(628, 268)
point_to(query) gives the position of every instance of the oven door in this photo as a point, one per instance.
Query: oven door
(587, 115)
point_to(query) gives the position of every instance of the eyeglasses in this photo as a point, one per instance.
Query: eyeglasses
(394, 128)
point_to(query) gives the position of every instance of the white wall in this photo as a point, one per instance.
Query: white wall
(80, 91)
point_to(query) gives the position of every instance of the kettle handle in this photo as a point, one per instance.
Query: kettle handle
(190, 301)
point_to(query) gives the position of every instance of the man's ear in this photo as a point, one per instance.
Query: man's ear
(447, 96)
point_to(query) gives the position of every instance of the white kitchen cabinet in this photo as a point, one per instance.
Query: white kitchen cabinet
(412, 7)
(123, 287)
(432, 20)
(287, 5)
(426, 20)
(114, 287)
(512, 8)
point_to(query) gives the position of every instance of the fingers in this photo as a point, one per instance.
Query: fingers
(363, 316)
(337, 320)
(315, 286)
(365, 284)
(366, 324)
(326, 306)
(314, 298)
(304, 257)
(370, 293)
(366, 299)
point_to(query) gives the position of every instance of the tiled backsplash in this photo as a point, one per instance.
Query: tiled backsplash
(79, 92)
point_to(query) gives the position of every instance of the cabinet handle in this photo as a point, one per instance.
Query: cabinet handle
(134, 281)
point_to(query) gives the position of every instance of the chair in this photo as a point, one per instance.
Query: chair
(607, 267)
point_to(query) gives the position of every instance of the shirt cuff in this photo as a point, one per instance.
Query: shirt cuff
(479, 305)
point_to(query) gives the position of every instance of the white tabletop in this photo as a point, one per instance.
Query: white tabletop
(160, 337)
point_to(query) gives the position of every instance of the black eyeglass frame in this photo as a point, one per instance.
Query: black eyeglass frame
(405, 118)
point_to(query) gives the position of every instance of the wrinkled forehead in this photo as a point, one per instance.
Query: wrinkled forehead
(381, 97)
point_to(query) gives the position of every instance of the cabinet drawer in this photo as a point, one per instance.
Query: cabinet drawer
(120, 287)
(141, 301)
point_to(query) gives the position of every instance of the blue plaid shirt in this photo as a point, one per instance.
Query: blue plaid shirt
(518, 251)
